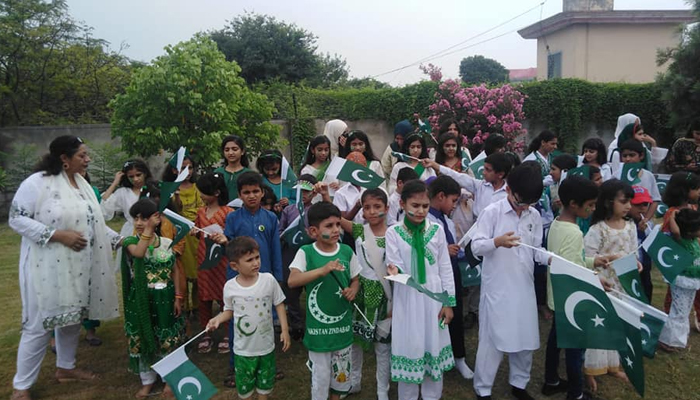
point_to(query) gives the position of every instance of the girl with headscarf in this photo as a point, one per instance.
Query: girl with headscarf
(333, 130)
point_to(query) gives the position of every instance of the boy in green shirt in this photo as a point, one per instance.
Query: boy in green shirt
(329, 271)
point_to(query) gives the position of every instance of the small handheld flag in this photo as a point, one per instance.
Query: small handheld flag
(631, 355)
(182, 225)
(630, 172)
(353, 173)
(477, 165)
(403, 157)
(405, 279)
(212, 255)
(670, 257)
(652, 323)
(627, 273)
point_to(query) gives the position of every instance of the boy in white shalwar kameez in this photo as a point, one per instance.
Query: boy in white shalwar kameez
(508, 307)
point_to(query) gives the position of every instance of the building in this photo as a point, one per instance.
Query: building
(592, 41)
(522, 75)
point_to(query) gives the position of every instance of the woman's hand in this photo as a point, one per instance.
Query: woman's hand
(70, 238)
(446, 314)
(117, 178)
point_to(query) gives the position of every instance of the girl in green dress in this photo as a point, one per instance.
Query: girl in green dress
(152, 306)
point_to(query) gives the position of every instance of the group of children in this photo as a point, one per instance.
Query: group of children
(412, 225)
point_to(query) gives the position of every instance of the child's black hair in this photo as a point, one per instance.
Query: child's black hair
(678, 187)
(212, 182)
(412, 188)
(310, 158)
(500, 162)
(536, 143)
(321, 211)
(144, 207)
(377, 193)
(241, 144)
(412, 138)
(308, 178)
(688, 221)
(597, 145)
(406, 174)
(138, 165)
(524, 182)
(249, 178)
(440, 155)
(358, 134)
(240, 246)
(633, 145)
(268, 157)
(514, 159)
(444, 184)
(169, 175)
(494, 142)
(565, 162)
(269, 196)
(609, 191)
(594, 170)
(577, 189)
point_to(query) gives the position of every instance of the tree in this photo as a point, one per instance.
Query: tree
(479, 69)
(267, 49)
(680, 84)
(191, 97)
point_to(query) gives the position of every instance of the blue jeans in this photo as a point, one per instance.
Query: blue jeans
(574, 364)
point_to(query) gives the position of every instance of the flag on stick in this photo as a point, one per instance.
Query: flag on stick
(477, 165)
(295, 235)
(631, 355)
(212, 255)
(168, 189)
(182, 225)
(630, 172)
(403, 157)
(627, 273)
(186, 380)
(354, 173)
(670, 257)
(407, 280)
(652, 323)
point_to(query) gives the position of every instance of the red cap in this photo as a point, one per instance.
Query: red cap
(641, 195)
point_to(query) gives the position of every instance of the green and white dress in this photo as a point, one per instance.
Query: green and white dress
(419, 347)
(152, 329)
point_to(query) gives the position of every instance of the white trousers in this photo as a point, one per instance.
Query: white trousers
(488, 359)
(382, 352)
(35, 340)
(330, 370)
(675, 331)
(148, 378)
(429, 390)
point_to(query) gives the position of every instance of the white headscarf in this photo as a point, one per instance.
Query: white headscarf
(333, 129)
(623, 121)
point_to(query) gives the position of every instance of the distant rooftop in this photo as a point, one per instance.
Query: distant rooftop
(516, 75)
(568, 18)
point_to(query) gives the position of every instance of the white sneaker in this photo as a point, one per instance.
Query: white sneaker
(464, 369)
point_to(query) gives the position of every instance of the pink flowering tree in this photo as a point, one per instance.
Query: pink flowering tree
(481, 111)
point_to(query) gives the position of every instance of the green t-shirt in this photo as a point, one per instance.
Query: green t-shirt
(230, 178)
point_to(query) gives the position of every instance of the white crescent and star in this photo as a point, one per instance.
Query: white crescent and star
(316, 311)
(356, 175)
(213, 248)
(296, 238)
(189, 380)
(660, 257)
(571, 303)
(629, 344)
(635, 290)
(645, 328)
(630, 178)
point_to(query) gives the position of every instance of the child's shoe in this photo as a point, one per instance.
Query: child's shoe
(520, 394)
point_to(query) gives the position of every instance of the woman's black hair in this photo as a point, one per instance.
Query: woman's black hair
(440, 155)
(678, 187)
(51, 163)
(609, 191)
(358, 134)
(377, 193)
(536, 143)
(268, 157)
(209, 183)
(170, 176)
(241, 144)
(144, 207)
(688, 221)
(138, 165)
(412, 138)
(412, 188)
(310, 158)
(694, 126)
(597, 145)
(445, 126)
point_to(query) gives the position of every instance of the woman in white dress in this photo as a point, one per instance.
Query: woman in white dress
(64, 268)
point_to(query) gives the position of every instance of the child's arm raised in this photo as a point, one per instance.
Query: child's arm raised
(214, 323)
(297, 278)
(346, 224)
(139, 250)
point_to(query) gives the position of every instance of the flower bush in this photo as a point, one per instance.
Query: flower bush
(481, 111)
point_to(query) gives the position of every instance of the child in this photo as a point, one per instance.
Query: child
(414, 146)
(596, 177)
(578, 197)
(540, 150)
(420, 347)
(235, 163)
(560, 164)
(269, 200)
(210, 282)
(359, 142)
(269, 164)
(374, 296)
(640, 205)
(329, 271)
(444, 194)
(152, 316)
(131, 179)
(611, 234)
(401, 130)
(247, 300)
(594, 153)
(632, 151)
(634, 131)
(347, 198)
(317, 157)
(508, 308)
(674, 335)
(495, 143)
(395, 213)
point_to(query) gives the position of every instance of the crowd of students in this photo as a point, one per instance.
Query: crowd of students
(411, 224)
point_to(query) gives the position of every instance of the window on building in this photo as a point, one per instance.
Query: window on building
(554, 65)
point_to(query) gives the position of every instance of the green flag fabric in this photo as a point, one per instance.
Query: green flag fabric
(584, 171)
(213, 254)
(471, 276)
(407, 280)
(661, 182)
(182, 225)
(295, 235)
(354, 173)
(466, 159)
(419, 168)
(630, 172)
(627, 273)
(585, 316)
(632, 354)
(668, 256)
(477, 165)
(652, 323)
(186, 380)
(289, 178)
(401, 157)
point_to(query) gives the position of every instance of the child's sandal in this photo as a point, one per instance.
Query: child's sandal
(222, 347)
(205, 345)
(230, 380)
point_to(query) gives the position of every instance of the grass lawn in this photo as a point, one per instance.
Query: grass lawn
(667, 376)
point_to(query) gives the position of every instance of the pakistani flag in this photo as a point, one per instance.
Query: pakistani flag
(652, 323)
(631, 355)
(407, 280)
(168, 189)
(213, 254)
(669, 256)
(288, 176)
(295, 235)
(661, 182)
(630, 172)
(182, 225)
(626, 270)
(471, 276)
(477, 165)
(584, 171)
(184, 378)
(356, 174)
(661, 210)
(585, 316)
(466, 159)
(401, 156)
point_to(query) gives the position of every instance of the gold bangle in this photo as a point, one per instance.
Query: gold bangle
(144, 237)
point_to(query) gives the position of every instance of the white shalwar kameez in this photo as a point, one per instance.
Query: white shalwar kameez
(508, 307)
(420, 349)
